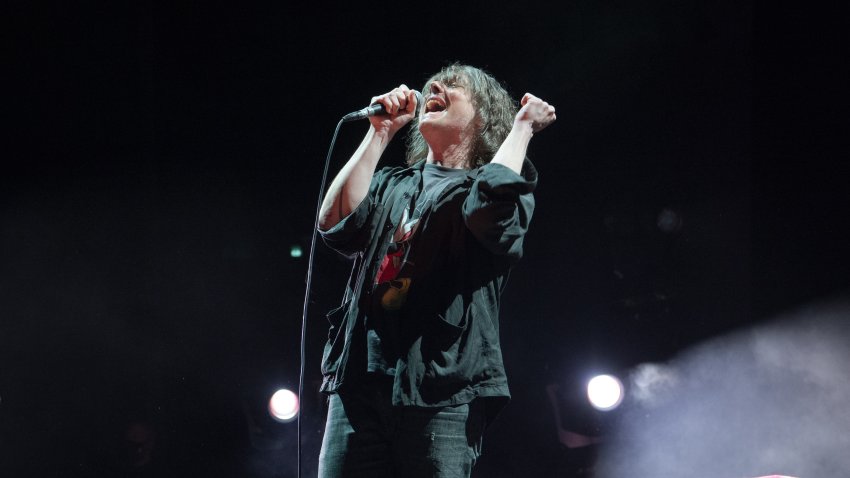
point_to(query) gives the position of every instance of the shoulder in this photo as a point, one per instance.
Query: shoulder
(395, 174)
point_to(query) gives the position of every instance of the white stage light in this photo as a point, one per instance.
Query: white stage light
(605, 392)
(283, 406)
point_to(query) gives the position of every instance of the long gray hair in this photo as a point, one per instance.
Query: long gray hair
(494, 110)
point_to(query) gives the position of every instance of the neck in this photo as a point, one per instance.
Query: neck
(453, 156)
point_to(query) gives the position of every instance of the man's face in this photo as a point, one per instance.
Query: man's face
(448, 110)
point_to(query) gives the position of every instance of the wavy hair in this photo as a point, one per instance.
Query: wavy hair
(494, 110)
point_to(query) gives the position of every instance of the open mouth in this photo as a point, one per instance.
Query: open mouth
(435, 104)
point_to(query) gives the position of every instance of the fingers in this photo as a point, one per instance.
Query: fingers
(538, 112)
(396, 101)
(412, 102)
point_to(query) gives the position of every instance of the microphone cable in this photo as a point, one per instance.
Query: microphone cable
(307, 290)
(357, 115)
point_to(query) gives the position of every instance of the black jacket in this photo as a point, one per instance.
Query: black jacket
(449, 326)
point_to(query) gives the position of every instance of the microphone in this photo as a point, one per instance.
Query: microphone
(376, 109)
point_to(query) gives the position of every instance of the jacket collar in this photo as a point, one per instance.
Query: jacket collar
(529, 172)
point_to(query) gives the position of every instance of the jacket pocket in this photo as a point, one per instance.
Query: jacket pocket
(333, 347)
(443, 350)
(447, 327)
(335, 318)
(446, 331)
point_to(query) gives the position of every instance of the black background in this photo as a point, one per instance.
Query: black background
(163, 158)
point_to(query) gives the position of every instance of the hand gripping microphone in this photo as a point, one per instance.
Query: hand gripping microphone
(376, 109)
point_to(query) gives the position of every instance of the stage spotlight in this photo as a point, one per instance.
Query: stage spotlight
(283, 406)
(295, 251)
(605, 392)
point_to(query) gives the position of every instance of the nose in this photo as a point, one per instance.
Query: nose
(436, 87)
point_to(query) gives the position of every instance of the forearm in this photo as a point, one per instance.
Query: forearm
(534, 115)
(351, 184)
(513, 150)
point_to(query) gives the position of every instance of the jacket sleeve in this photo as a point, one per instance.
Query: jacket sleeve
(352, 234)
(499, 208)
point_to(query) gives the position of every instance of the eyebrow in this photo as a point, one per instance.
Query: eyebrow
(452, 81)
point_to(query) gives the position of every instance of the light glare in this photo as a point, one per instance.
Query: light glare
(605, 392)
(283, 406)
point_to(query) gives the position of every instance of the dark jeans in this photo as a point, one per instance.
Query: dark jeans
(365, 436)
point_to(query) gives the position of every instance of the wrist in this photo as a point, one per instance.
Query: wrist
(523, 128)
(523, 131)
(380, 135)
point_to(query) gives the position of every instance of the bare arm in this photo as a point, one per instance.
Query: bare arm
(534, 115)
(351, 184)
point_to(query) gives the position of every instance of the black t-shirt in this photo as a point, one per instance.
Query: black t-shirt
(392, 284)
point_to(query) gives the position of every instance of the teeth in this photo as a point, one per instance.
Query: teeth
(434, 105)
